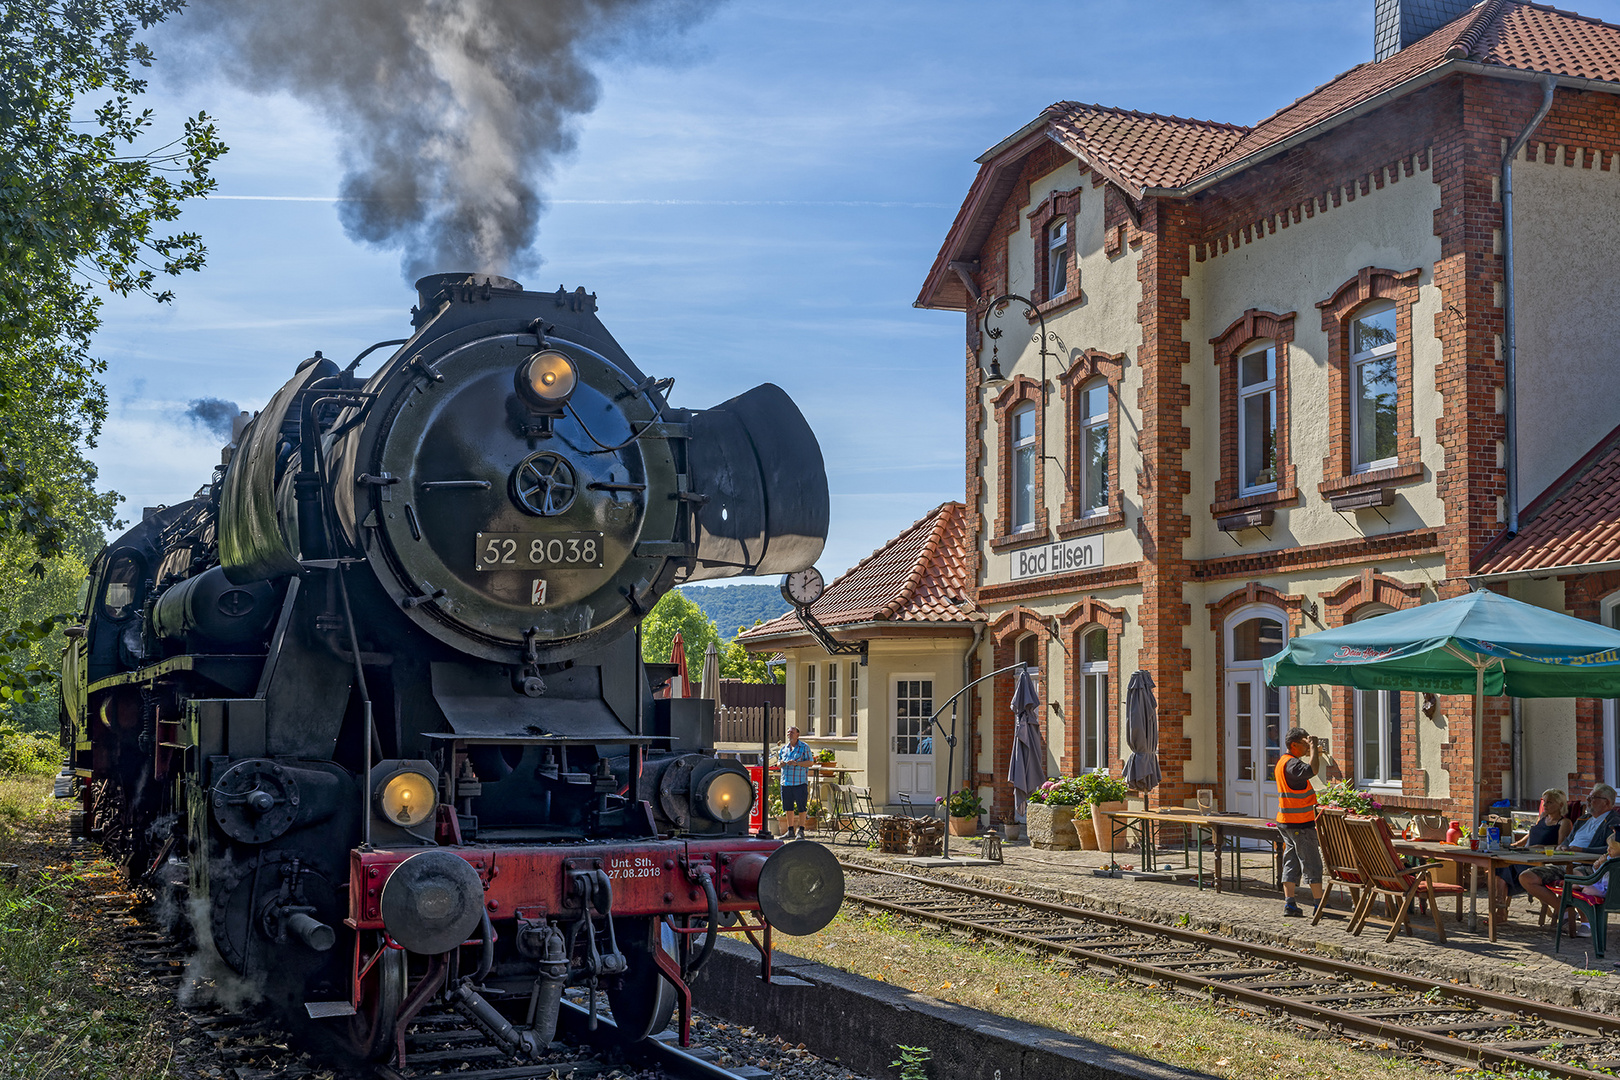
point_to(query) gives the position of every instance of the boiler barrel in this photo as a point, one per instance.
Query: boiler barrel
(209, 608)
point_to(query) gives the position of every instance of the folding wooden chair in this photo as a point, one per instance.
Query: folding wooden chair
(1338, 859)
(1385, 876)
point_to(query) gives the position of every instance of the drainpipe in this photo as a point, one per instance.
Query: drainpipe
(1517, 706)
(1510, 396)
(970, 757)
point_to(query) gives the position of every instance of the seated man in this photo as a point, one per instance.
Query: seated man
(1591, 835)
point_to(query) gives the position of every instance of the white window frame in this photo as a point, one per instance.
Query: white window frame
(1358, 707)
(1057, 258)
(1610, 609)
(1095, 703)
(925, 731)
(1091, 505)
(832, 698)
(1356, 361)
(1024, 459)
(810, 698)
(854, 724)
(1268, 388)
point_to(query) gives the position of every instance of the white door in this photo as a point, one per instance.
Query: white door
(911, 749)
(1256, 714)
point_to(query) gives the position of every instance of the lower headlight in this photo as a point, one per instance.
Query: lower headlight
(725, 796)
(407, 798)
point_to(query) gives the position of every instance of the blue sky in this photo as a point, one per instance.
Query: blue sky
(758, 204)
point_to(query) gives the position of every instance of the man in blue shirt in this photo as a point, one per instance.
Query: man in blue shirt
(795, 759)
(1591, 834)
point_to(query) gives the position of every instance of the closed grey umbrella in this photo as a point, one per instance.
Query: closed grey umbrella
(710, 686)
(1027, 770)
(1142, 733)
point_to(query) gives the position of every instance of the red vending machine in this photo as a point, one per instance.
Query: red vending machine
(756, 816)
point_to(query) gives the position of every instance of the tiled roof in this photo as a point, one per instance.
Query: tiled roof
(1137, 149)
(1575, 521)
(912, 578)
(1140, 151)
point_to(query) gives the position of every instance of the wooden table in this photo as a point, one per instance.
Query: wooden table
(1219, 826)
(1489, 862)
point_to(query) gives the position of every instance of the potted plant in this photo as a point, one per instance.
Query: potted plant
(1103, 793)
(963, 808)
(1050, 814)
(814, 809)
(1344, 794)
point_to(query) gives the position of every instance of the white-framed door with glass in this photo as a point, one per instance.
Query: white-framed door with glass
(911, 748)
(1256, 714)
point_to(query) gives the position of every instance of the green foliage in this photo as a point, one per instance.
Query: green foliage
(673, 614)
(1344, 793)
(736, 662)
(1085, 789)
(33, 611)
(963, 803)
(913, 1062)
(737, 605)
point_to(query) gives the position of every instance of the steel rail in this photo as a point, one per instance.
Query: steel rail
(1434, 1044)
(674, 1061)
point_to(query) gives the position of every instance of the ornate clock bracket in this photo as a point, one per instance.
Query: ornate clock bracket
(823, 636)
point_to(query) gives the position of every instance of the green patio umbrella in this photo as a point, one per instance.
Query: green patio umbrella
(1480, 643)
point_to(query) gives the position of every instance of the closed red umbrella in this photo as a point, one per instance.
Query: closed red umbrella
(681, 685)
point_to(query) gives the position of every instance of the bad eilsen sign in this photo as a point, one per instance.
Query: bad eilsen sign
(1060, 558)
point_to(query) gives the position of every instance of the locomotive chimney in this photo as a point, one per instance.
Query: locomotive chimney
(436, 287)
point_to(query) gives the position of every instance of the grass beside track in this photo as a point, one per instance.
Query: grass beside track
(1163, 1026)
(66, 1008)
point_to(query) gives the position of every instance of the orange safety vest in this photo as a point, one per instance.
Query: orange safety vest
(1293, 807)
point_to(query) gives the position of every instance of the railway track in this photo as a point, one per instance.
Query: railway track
(1456, 1025)
(439, 1044)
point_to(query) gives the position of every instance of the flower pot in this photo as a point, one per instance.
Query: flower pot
(1010, 830)
(1087, 833)
(1052, 827)
(965, 826)
(1104, 824)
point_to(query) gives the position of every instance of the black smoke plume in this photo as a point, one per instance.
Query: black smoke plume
(452, 112)
(214, 414)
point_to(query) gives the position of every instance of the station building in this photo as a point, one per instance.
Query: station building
(1256, 383)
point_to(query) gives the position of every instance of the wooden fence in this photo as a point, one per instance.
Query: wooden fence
(745, 725)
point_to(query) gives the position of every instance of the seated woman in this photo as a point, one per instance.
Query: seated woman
(1590, 834)
(1550, 830)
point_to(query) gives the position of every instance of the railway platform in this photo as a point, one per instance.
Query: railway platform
(1521, 961)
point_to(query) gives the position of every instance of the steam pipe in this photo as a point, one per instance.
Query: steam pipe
(1509, 312)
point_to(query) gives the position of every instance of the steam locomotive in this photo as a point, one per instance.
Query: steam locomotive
(370, 708)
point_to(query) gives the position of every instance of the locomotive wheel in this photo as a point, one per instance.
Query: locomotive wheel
(368, 1035)
(643, 1000)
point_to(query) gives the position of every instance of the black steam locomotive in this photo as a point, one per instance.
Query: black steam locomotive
(370, 708)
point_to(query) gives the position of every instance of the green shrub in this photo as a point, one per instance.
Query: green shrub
(1085, 789)
(28, 752)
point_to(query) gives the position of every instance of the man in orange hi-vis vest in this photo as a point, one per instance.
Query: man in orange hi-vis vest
(1296, 818)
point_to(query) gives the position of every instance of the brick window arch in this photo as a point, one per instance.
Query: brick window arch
(1058, 209)
(1007, 631)
(1230, 347)
(1019, 392)
(1359, 596)
(1371, 285)
(1090, 369)
(1220, 612)
(1084, 618)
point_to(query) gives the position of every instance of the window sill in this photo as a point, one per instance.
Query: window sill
(1283, 496)
(1372, 478)
(1021, 539)
(1050, 307)
(1087, 525)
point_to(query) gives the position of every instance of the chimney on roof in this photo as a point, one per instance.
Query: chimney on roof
(1398, 23)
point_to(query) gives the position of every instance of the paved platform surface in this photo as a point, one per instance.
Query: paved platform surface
(1521, 961)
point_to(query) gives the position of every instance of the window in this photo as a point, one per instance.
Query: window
(1257, 419)
(810, 699)
(1372, 387)
(1057, 258)
(1380, 717)
(1027, 653)
(832, 699)
(853, 725)
(1022, 442)
(1094, 448)
(913, 705)
(1094, 705)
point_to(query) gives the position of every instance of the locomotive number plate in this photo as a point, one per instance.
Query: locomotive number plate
(524, 551)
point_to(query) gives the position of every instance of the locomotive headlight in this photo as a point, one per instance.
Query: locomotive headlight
(407, 798)
(725, 796)
(547, 379)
